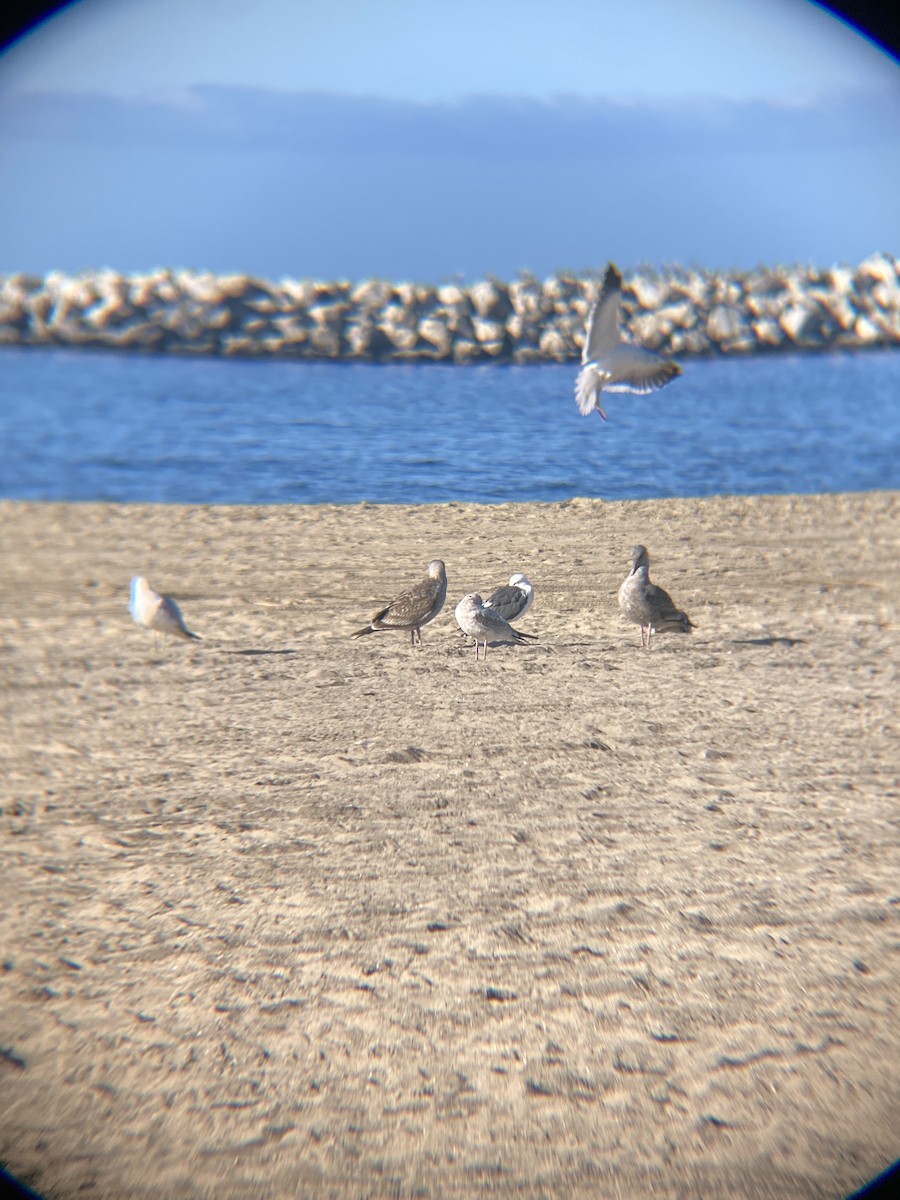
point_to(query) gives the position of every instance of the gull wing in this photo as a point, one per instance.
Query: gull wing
(634, 369)
(603, 319)
(660, 601)
(413, 606)
(507, 601)
(168, 619)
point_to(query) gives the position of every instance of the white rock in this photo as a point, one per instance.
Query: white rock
(866, 331)
(487, 299)
(488, 331)
(372, 293)
(645, 329)
(838, 307)
(767, 332)
(330, 315)
(724, 323)
(649, 293)
(553, 344)
(676, 316)
(796, 321)
(526, 298)
(203, 287)
(452, 295)
(465, 351)
(402, 337)
(436, 333)
(302, 292)
(886, 295)
(878, 266)
(840, 280)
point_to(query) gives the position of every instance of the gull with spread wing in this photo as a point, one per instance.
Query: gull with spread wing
(610, 364)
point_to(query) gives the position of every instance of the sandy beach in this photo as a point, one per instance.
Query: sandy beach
(285, 914)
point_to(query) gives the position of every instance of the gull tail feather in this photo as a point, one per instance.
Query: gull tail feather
(587, 391)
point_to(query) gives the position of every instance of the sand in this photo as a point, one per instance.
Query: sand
(285, 914)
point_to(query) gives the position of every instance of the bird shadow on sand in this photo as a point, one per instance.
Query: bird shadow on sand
(258, 653)
(768, 641)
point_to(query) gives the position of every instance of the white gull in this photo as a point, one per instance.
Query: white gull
(156, 612)
(610, 364)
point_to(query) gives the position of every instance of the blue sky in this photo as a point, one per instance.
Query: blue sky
(429, 50)
(426, 140)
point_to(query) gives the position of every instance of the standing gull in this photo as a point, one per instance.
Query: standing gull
(648, 605)
(159, 613)
(514, 599)
(415, 607)
(608, 362)
(478, 621)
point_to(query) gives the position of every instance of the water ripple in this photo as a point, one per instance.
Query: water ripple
(82, 426)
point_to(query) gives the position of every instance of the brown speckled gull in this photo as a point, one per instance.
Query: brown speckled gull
(648, 605)
(413, 608)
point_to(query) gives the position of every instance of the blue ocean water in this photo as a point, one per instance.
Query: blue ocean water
(101, 426)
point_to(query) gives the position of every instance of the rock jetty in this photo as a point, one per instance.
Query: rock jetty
(679, 312)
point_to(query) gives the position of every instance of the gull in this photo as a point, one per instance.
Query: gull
(513, 600)
(478, 621)
(415, 607)
(648, 605)
(159, 613)
(610, 364)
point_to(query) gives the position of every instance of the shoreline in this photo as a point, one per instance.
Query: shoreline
(285, 913)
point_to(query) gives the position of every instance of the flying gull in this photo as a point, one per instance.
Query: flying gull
(483, 624)
(159, 613)
(648, 605)
(610, 364)
(514, 599)
(415, 607)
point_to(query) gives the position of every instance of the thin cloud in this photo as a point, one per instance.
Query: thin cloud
(494, 127)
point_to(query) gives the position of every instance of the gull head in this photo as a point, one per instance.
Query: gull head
(470, 601)
(139, 589)
(467, 608)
